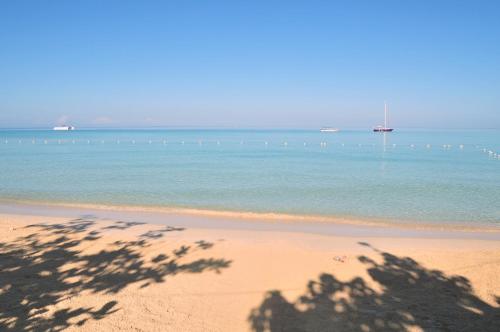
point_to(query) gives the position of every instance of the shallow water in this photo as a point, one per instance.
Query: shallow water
(410, 176)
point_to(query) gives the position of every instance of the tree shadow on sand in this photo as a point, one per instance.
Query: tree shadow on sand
(411, 296)
(52, 264)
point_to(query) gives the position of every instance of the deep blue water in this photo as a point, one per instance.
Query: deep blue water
(412, 175)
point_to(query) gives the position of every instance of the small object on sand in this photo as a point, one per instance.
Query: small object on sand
(340, 259)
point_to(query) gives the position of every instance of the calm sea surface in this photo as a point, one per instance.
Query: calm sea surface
(409, 176)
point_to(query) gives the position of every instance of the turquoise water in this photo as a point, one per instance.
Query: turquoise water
(356, 174)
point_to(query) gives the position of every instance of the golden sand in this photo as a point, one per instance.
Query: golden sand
(88, 274)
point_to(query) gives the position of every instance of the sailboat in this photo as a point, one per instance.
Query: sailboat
(383, 128)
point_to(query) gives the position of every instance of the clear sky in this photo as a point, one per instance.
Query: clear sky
(249, 63)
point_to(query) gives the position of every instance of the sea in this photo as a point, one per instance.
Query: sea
(407, 176)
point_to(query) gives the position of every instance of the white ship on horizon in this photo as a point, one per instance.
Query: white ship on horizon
(64, 128)
(329, 130)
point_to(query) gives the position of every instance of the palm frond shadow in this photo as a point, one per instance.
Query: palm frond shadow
(42, 269)
(412, 296)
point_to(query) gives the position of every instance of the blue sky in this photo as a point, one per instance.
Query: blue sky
(300, 64)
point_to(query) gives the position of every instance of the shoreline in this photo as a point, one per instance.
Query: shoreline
(266, 217)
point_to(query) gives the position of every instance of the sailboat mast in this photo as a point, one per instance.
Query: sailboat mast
(385, 115)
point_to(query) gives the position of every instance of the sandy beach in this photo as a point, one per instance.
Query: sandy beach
(249, 166)
(90, 273)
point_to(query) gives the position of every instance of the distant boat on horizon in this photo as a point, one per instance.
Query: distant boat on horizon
(64, 128)
(383, 128)
(329, 130)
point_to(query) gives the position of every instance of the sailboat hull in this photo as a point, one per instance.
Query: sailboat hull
(382, 130)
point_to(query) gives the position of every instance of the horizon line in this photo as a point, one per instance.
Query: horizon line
(84, 128)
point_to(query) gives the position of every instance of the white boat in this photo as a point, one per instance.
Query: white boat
(383, 128)
(64, 128)
(329, 130)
